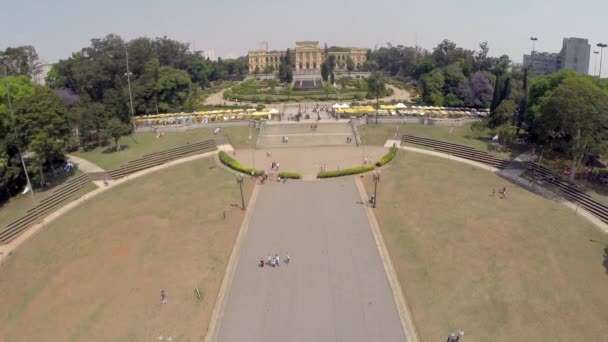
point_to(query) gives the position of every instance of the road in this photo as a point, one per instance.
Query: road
(335, 287)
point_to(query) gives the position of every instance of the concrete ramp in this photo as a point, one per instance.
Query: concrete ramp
(304, 135)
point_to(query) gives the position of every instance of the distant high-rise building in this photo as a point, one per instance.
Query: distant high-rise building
(574, 55)
(543, 62)
(210, 54)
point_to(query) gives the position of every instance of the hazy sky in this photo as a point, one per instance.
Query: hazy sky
(59, 27)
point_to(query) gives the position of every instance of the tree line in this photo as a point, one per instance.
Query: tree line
(86, 98)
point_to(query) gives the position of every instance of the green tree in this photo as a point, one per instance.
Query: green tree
(432, 84)
(350, 65)
(21, 60)
(116, 129)
(327, 89)
(451, 100)
(577, 111)
(376, 86)
(288, 90)
(172, 87)
(503, 114)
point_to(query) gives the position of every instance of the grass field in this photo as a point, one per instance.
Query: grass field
(378, 134)
(19, 205)
(518, 269)
(96, 273)
(146, 142)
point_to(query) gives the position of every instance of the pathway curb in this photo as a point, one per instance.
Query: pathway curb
(220, 303)
(405, 314)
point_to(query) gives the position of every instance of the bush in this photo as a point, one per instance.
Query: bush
(235, 165)
(346, 172)
(387, 157)
(290, 175)
(259, 107)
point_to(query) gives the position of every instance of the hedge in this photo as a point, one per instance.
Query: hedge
(235, 165)
(346, 172)
(290, 175)
(387, 157)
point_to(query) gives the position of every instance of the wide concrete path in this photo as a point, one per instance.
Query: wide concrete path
(85, 165)
(334, 289)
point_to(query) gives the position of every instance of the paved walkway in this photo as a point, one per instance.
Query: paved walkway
(334, 289)
(85, 165)
(308, 160)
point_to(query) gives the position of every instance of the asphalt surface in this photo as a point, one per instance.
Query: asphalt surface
(335, 287)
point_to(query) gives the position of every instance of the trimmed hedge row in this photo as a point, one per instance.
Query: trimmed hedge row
(235, 165)
(387, 157)
(290, 175)
(360, 169)
(346, 172)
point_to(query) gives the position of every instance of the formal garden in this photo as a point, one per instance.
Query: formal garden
(270, 91)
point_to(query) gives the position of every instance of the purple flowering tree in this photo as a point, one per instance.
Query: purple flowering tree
(68, 97)
(481, 90)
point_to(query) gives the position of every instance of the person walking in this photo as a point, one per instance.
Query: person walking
(278, 260)
(287, 258)
(163, 297)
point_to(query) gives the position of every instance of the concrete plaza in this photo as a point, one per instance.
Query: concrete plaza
(334, 289)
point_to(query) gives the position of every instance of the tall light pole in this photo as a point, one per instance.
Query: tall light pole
(595, 63)
(10, 106)
(239, 179)
(533, 39)
(130, 96)
(376, 177)
(601, 46)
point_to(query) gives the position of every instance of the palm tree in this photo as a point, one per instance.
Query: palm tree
(376, 85)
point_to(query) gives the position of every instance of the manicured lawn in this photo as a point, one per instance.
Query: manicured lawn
(519, 269)
(378, 134)
(96, 273)
(146, 142)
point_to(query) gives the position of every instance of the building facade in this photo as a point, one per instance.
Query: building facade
(543, 62)
(575, 55)
(307, 57)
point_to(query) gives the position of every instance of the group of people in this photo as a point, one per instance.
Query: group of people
(274, 166)
(273, 261)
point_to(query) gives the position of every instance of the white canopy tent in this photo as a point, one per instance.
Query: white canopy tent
(400, 106)
(273, 111)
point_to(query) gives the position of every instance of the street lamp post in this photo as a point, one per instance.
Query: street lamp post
(595, 62)
(239, 179)
(601, 46)
(376, 177)
(130, 95)
(533, 39)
